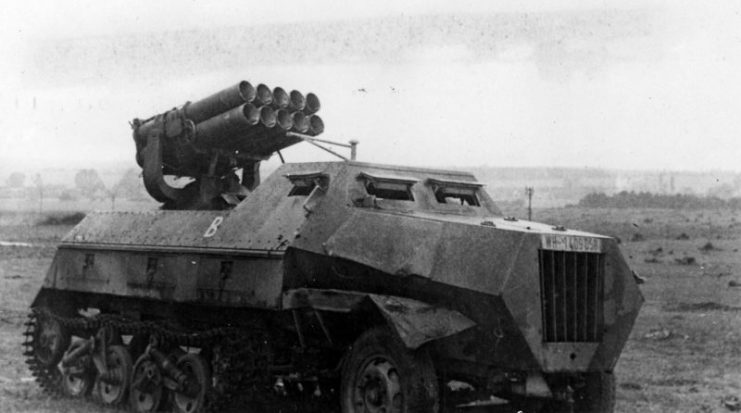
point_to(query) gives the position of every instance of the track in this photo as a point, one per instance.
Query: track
(236, 360)
(49, 378)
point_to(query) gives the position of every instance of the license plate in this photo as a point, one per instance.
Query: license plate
(570, 243)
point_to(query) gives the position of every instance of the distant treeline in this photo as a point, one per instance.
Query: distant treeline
(632, 199)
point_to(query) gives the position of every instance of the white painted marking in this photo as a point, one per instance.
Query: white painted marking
(213, 227)
(570, 243)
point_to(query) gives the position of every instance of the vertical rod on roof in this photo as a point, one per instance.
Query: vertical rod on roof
(353, 149)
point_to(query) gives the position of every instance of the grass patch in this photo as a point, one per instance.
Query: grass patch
(72, 218)
(703, 306)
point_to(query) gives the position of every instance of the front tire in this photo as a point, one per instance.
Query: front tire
(380, 375)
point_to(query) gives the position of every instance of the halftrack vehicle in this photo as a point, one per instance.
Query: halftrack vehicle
(342, 286)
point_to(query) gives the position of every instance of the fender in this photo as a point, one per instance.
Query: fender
(415, 322)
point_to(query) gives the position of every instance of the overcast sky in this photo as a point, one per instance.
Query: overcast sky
(629, 85)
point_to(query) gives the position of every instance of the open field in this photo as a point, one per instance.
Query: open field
(684, 354)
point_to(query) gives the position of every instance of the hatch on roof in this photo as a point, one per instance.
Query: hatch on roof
(398, 188)
(388, 178)
(455, 192)
(304, 183)
(451, 183)
(305, 176)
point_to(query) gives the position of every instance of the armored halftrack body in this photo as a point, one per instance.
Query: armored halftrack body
(353, 286)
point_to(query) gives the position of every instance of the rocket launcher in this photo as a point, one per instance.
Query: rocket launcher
(210, 139)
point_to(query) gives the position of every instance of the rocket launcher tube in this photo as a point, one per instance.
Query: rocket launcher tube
(266, 140)
(297, 101)
(268, 116)
(263, 95)
(280, 98)
(312, 104)
(284, 119)
(267, 121)
(300, 122)
(316, 125)
(273, 139)
(220, 102)
(216, 130)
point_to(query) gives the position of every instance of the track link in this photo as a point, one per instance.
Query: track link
(237, 359)
(49, 378)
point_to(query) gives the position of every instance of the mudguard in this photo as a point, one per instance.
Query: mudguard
(415, 322)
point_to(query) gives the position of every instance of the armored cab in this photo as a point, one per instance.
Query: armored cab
(347, 286)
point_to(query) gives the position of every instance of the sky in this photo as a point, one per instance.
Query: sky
(617, 84)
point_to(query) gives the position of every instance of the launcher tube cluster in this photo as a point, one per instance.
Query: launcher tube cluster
(241, 122)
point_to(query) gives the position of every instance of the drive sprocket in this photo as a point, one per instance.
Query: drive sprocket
(45, 340)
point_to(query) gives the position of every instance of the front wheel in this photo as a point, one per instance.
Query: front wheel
(380, 375)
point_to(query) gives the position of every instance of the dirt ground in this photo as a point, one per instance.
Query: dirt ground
(684, 354)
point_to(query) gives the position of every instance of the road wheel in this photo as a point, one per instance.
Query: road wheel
(147, 386)
(380, 375)
(598, 394)
(111, 387)
(79, 377)
(193, 397)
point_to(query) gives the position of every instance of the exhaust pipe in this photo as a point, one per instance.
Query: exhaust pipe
(219, 129)
(280, 98)
(312, 104)
(220, 102)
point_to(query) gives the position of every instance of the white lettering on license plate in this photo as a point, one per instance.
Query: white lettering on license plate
(570, 243)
